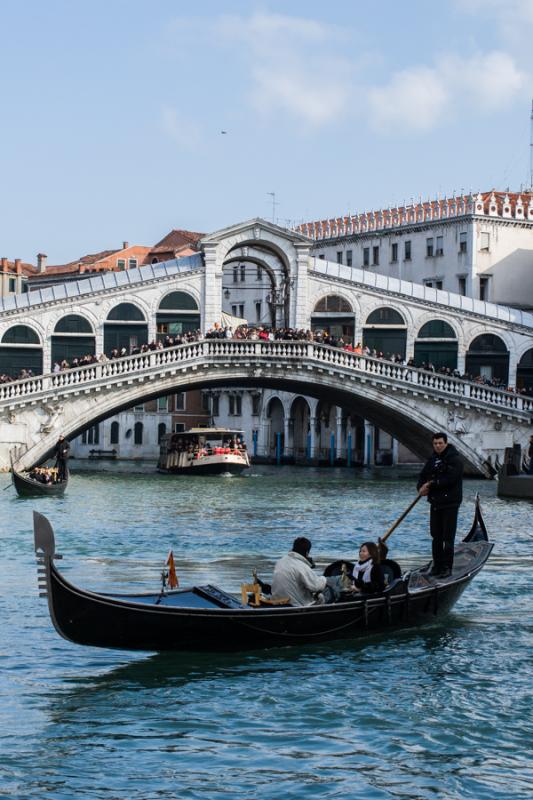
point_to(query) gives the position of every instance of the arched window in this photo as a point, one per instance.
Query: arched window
(113, 438)
(524, 373)
(161, 431)
(179, 301)
(436, 345)
(138, 433)
(488, 358)
(73, 323)
(436, 329)
(177, 313)
(333, 303)
(385, 316)
(20, 334)
(126, 312)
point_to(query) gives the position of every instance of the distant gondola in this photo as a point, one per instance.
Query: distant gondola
(28, 487)
(207, 618)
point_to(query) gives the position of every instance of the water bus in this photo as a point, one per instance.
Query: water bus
(203, 451)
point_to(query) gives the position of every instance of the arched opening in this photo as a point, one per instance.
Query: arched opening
(276, 415)
(335, 315)
(524, 373)
(326, 425)
(73, 337)
(125, 329)
(20, 350)
(436, 344)
(488, 358)
(161, 431)
(385, 332)
(178, 313)
(138, 431)
(299, 428)
(114, 433)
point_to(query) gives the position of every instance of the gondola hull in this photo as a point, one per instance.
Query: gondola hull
(206, 618)
(27, 487)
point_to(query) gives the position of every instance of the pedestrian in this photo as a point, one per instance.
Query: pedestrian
(441, 481)
(62, 453)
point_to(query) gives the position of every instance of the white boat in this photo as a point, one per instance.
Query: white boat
(203, 451)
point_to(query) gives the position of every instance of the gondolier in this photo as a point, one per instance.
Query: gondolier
(441, 481)
(62, 453)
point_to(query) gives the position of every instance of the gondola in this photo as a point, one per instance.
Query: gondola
(28, 487)
(209, 619)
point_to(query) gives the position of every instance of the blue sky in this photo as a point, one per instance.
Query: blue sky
(112, 113)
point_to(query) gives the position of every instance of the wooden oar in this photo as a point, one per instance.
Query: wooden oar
(400, 518)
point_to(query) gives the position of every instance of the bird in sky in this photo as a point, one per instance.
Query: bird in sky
(223, 131)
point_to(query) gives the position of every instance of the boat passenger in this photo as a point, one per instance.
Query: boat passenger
(294, 578)
(368, 577)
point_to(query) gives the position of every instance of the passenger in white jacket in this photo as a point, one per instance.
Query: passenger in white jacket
(294, 578)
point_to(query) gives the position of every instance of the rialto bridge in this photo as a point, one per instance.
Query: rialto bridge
(119, 309)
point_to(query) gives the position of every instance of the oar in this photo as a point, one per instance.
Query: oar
(393, 527)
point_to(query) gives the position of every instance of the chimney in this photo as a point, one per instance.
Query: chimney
(18, 266)
(125, 245)
(5, 265)
(41, 262)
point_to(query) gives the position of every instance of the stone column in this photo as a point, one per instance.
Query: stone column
(298, 314)
(338, 433)
(312, 431)
(212, 289)
(369, 444)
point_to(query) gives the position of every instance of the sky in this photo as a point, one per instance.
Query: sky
(113, 113)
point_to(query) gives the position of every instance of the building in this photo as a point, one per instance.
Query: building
(14, 276)
(479, 246)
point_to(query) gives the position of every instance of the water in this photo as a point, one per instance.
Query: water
(439, 712)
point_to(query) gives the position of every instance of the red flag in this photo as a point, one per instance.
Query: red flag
(173, 582)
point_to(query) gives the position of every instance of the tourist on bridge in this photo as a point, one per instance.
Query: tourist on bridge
(62, 454)
(441, 481)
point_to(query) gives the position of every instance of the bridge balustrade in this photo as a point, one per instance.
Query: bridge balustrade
(219, 349)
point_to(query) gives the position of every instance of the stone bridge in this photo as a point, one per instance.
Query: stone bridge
(406, 402)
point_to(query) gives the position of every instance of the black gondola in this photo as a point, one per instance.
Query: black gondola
(28, 487)
(207, 618)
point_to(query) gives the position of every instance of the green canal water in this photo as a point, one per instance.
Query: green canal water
(438, 712)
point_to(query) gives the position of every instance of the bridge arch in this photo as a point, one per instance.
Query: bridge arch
(276, 414)
(487, 356)
(73, 336)
(21, 348)
(125, 327)
(177, 312)
(334, 312)
(524, 372)
(385, 330)
(436, 343)
(299, 426)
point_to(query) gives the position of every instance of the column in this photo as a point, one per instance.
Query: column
(339, 443)
(212, 294)
(370, 433)
(298, 311)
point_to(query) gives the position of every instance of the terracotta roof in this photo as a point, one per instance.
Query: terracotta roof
(176, 239)
(26, 268)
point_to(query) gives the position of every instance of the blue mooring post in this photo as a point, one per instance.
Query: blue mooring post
(278, 448)
(349, 451)
(332, 449)
(308, 447)
(254, 440)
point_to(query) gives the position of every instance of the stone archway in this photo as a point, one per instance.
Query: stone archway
(276, 439)
(299, 429)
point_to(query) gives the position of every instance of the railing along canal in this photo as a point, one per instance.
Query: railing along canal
(216, 350)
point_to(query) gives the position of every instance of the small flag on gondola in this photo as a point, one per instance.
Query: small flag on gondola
(173, 582)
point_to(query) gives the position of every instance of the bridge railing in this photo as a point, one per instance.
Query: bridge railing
(220, 349)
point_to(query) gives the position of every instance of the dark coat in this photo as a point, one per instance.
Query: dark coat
(62, 450)
(446, 474)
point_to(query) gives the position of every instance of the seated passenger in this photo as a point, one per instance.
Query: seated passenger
(368, 575)
(294, 578)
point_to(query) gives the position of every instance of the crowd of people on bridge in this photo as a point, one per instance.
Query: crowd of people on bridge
(268, 333)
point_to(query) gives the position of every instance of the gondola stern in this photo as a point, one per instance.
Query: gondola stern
(478, 531)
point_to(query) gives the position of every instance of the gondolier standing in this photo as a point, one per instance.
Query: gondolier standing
(441, 481)
(62, 453)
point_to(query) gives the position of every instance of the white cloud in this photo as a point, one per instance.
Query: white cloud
(418, 98)
(182, 130)
(293, 65)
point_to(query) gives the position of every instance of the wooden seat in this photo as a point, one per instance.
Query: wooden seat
(250, 588)
(258, 599)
